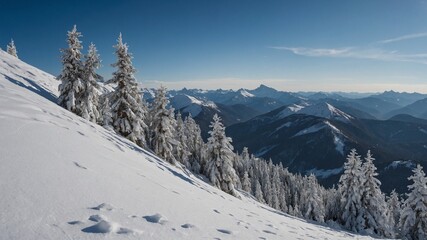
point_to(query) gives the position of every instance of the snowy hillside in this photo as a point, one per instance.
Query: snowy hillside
(323, 109)
(190, 104)
(62, 177)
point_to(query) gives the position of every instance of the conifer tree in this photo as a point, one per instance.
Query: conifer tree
(246, 183)
(182, 152)
(373, 201)
(275, 188)
(90, 99)
(350, 190)
(394, 209)
(106, 115)
(333, 204)
(413, 219)
(11, 49)
(163, 127)
(72, 86)
(195, 144)
(127, 109)
(315, 208)
(258, 192)
(219, 167)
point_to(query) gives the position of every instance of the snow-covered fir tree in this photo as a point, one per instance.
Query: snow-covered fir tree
(89, 105)
(315, 209)
(162, 127)
(219, 166)
(275, 187)
(127, 109)
(11, 49)
(413, 219)
(332, 204)
(106, 115)
(351, 191)
(72, 85)
(246, 183)
(195, 144)
(394, 209)
(266, 184)
(181, 151)
(245, 159)
(373, 201)
(258, 192)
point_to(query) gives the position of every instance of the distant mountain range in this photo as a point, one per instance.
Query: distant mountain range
(313, 132)
(317, 138)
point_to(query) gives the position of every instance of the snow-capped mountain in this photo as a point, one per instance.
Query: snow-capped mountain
(63, 177)
(190, 104)
(317, 142)
(261, 99)
(322, 109)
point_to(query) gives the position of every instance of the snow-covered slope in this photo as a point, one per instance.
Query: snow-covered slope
(62, 177)
(190, 104)
(323, 109)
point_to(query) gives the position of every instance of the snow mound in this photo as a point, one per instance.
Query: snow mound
(55, 167)
(156, 218)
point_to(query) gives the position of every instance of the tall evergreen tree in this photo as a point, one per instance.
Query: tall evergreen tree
(413, 220)
(163, 127)
(258, 192)
(90, 99)
(246, 183)
(11, 49)
(350, 189)
(181, 153)
(315, 209)
(220, 154)
(394, 209)
(333, 204)
(127, 109)
(195, 144)
(373, 201)
(72, 85)
(107, 116)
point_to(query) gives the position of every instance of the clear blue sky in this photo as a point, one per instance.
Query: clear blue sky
(360, 45)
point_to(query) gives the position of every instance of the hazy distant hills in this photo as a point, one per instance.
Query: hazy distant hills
(313, 132)
(417, 109)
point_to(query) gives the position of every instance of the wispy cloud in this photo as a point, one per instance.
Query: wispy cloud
(404, 37)
(357, 52)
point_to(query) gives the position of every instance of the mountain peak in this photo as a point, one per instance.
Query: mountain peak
(262, 86)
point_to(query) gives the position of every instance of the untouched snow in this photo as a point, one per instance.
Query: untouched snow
(62, 177)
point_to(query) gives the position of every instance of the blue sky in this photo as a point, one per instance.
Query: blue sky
(365, 45)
